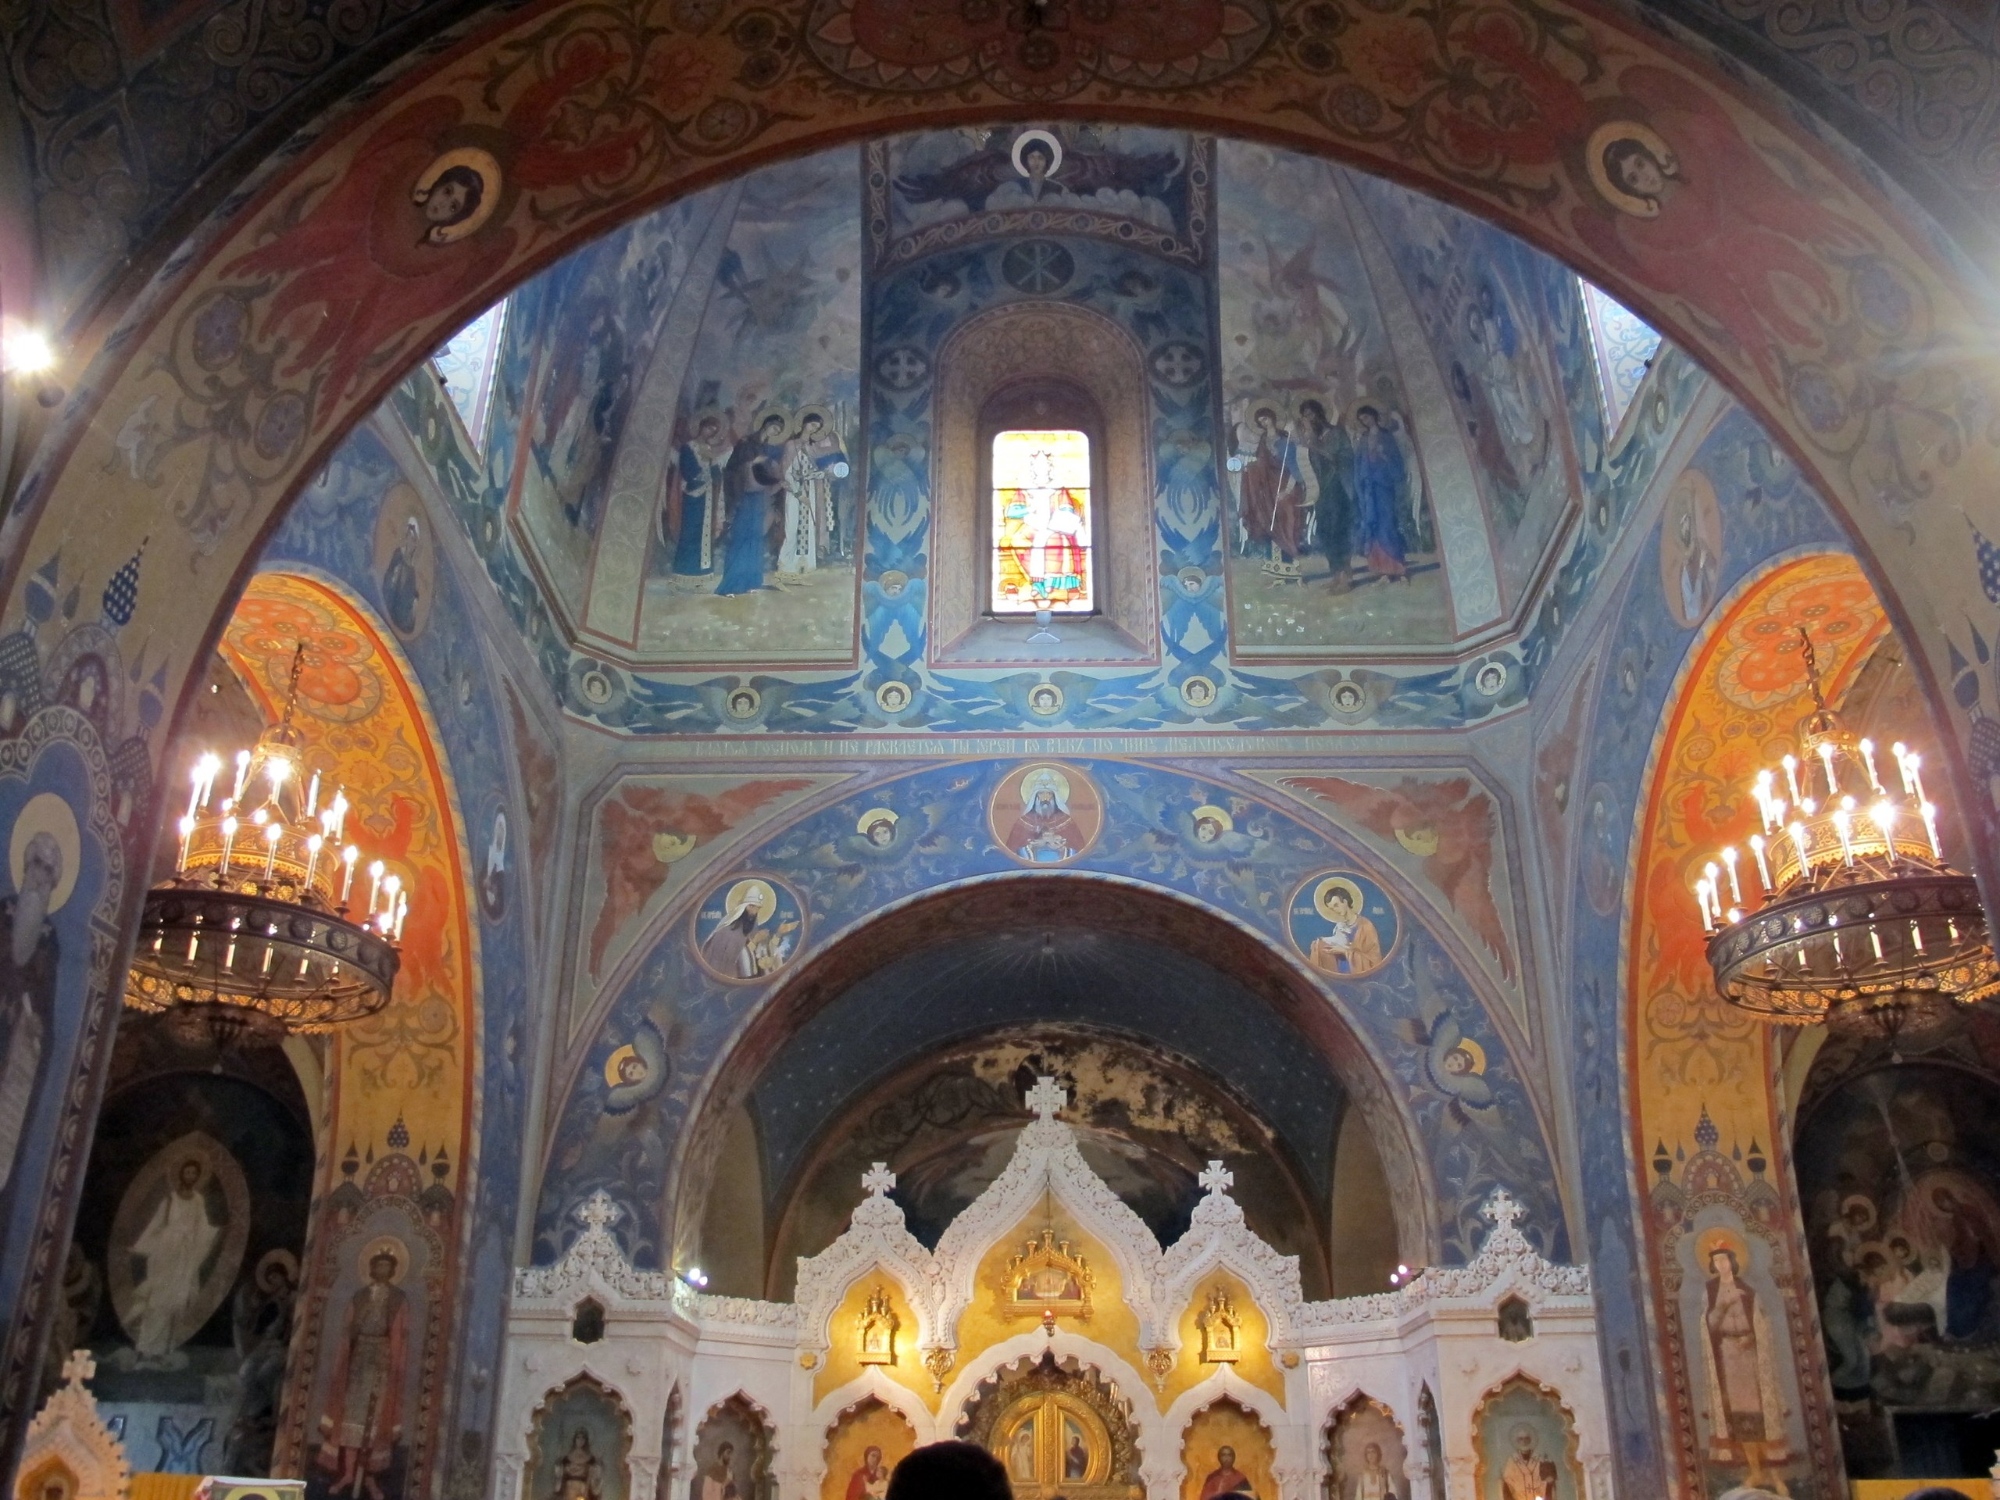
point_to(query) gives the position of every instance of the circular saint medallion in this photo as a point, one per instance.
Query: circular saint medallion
(1343, 924)
(1045, 814)
(749, 928)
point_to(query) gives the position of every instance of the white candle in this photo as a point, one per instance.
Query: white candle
(1917, 775)
(1729, 859)
(374, 886)
(348, 857)
(1798, 833)
(313, 846)
(1701, 900)
(1902, 754)
(1929, 812)
(1843, 825)
(187, 837)
(1826, 759)
(1885, 819)
(194, 789)
(312, 796)
(1867, 748)
(271, 836)
(402, 912)
(228, 842)
(242, 770)
(1791, 775)
(390, 888)
(1763, 870)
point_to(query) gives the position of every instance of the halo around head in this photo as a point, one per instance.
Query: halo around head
(1325, 889)
(482, 164)
(1718, 1239)
(46, 812)
(389, 1245)
(1210, 812)
(1616, 194)
(616, 1061)
(1049, 779)
(752, 895)
(876, 815)
(1021, 143)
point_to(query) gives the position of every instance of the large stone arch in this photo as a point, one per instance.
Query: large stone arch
(652, 1143)
(238, 371)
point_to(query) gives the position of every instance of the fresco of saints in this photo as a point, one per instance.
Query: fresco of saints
(1374, 1482)
(1225, 1478)
(1045, 833)
(401, 582)
(1746, 1411)
(814, 455)
(1076, 1457)
(1381, 478)
(1954, 1224)
(1330, 454)
(29, 956)
(579, 1472)
(688, 521)
(172, 1252)
(1528, 1476)
(754, 476)
(871, 1480)
(1272, 492)
(1353, 946)
(740, 946)
(718, 1481)
(363, 1421)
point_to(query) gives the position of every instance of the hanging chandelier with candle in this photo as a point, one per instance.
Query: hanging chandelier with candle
(269, 923)
(1844, 910)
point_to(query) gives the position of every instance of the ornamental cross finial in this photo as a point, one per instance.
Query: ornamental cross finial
(878, 1179)
(599, 1211)
(1046, 1097)
(1217, 1179)
(79, 1367)
(1502, 1210)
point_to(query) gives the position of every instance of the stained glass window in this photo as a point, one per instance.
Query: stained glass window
(1041, 523)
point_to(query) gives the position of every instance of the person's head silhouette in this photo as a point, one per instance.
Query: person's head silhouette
(950, 1471)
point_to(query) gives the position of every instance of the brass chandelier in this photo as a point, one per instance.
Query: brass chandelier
(257, 931)
(1855, 918)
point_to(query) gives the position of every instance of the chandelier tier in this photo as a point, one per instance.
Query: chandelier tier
(1853, 916)
(257, 929)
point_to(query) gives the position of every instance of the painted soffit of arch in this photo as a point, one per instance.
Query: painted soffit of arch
(645, 842)
(1446, 831)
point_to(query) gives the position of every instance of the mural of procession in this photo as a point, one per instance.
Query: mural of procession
(1331, 538)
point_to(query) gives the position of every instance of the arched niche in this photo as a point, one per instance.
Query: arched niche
(1029, 906)
(1056, 365)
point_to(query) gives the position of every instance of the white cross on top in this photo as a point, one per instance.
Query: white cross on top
(79, 1367)
(1502, 1209)
(1046, 1097)
(1217, 1179)
(598, 1211)
(878, 1179)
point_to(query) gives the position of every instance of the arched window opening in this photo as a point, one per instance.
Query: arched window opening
(1041, 522)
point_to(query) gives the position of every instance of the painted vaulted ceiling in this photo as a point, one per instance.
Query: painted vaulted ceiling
(1378, 430)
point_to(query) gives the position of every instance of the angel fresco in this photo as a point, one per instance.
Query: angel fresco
(1686, 202)
(1454, 1062)
(1448, 825)
(636, 1071)
(1034, 166)
(425, 252)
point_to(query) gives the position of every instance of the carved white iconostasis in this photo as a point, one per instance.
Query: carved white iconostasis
(1218, 1315)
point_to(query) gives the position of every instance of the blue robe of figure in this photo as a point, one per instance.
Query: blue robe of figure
(693, 553)
(756, 469)
(1379, 476)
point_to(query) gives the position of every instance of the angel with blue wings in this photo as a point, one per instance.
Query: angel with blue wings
(1454, 1062)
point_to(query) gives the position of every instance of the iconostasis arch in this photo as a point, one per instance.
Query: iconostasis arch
(1708, 1111)
(404, 1086)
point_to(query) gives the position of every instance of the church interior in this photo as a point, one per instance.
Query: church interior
(1240, 746)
